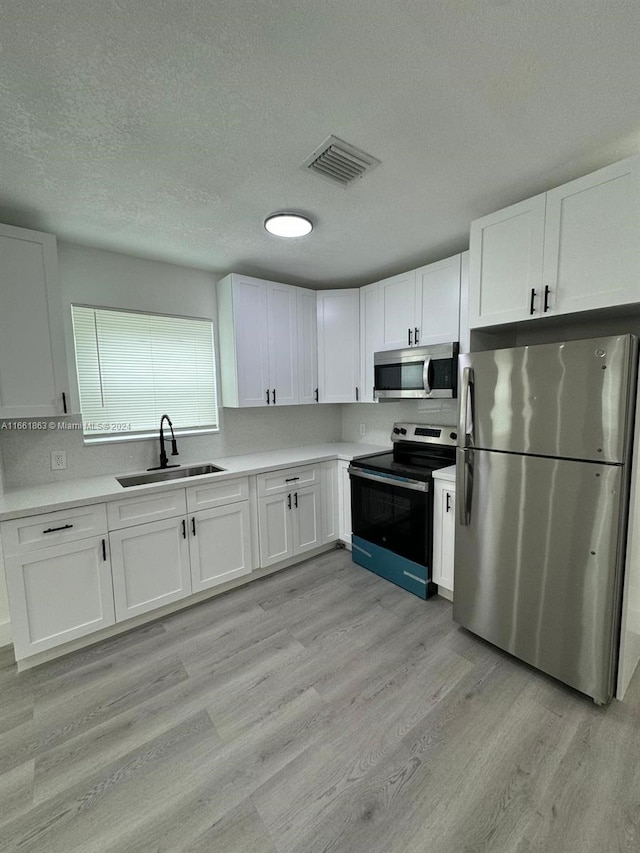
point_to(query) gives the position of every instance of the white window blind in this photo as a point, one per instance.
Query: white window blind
(133, 368)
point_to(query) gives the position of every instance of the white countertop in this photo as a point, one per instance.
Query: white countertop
(36, 500)
(448, 474)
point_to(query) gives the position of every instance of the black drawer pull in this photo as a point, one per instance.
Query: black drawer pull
(268, 400)
(104, 550)
(317, 400)
(295, 497)
(184, 529)
(547, 291)
(55, 529)
(291, 479)
(532, 304)
(289, 500)
(193, 524)
(448, 508)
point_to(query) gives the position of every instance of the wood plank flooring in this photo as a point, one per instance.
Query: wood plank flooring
(320, 709)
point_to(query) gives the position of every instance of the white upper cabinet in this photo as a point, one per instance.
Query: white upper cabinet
(339, 345)
(371, 337)
(505, 274)
(592, 240)
(282, 328)
(574, 248)
(307, 346)
(33, 370)
(398, 297)
(259, 330)
(438, 302)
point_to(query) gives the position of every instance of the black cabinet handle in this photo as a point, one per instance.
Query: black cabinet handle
(409, 336)
(317, 398)
(289, 499)
(104, 550)
(296, 500)
(532, 304)
(268, 400)
(291, 479)
(415, 335)
(64, 402)
(274, 396)
(55, 529)
(357, 394)
(193, 524)
(184, 529)
(547, 291)
(448, 507)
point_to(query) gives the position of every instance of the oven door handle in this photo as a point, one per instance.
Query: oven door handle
(426, 368)
(400, 482)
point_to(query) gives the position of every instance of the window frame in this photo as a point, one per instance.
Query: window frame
(118, 437)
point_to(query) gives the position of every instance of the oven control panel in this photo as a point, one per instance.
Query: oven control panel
(424, 433)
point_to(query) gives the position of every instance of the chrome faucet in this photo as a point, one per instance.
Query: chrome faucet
(164, 462)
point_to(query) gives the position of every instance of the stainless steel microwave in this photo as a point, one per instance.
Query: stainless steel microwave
(417, 372)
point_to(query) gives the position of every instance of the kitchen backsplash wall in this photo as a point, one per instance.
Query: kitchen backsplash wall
(378, 418)
(27, 455)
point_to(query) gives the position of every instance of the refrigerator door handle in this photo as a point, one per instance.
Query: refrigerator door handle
(464, 462)
(465, 429)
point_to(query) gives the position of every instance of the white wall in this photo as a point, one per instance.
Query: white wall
(95, 277)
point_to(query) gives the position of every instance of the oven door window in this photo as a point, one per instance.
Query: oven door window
(393, 518)
(399, 377)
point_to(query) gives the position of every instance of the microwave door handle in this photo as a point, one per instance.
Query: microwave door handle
(465, 426)
(426, 371)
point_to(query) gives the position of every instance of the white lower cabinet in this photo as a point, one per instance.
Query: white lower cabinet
(220, 545)
(59, 593)
(150, 565)
(344, 503)
(444, 529)
(290, 522)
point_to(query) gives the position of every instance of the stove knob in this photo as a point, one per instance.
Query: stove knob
(396, 431)
(403, 431)
(453, 435)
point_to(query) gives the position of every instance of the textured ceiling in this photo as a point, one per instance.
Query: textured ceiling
(170, 129)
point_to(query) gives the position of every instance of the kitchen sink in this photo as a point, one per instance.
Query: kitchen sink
(168, 474)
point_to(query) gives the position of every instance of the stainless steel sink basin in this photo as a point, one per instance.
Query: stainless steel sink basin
(168, 474)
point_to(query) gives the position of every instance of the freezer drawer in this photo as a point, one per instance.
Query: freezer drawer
(538, 564)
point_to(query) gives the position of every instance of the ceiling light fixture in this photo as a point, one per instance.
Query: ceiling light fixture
(285, 224)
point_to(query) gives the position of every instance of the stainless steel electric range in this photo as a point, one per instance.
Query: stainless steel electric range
(392, 505)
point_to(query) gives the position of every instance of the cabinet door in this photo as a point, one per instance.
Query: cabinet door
(438, 302)
(592, 250)
(307, 346)
(371, 337)
(506, 253)
(344, 502)
(220, 545)
(398, 296)
(59, 594)
(275, 526)
(444, 534)
(283, 343)
(339, 345)
(33, 373)
(251, 341)
(150, 565)
(307, 527)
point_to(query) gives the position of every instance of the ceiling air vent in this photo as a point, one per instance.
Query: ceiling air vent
(340, 162)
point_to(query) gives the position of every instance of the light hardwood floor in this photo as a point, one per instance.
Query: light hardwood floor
(320, 709)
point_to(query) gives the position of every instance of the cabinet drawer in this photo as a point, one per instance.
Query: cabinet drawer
(139, 510)
(22, 535)
(209, 495)
(289, 478)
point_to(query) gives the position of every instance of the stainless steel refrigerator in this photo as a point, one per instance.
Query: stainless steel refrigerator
(543, 465)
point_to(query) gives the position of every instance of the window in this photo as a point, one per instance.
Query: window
(133, 368)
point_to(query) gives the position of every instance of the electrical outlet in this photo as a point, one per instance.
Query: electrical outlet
(363, 429)
(58, 460)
